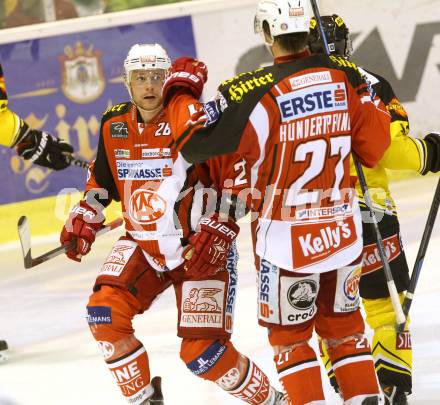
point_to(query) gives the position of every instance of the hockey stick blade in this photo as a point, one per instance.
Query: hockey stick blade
(25, 240)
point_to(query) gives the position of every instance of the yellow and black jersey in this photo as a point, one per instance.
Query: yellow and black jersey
(404, 152)
(10, 123)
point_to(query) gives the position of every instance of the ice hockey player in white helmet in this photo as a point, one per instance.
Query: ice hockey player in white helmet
(168, 242)
(280, 119)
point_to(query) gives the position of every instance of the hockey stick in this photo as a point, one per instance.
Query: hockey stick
(78, 162)
(394, 295)
(25, 240)
(420, 256)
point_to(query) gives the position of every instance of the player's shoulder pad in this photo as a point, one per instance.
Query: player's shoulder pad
(382, 87)
(237, 88)
(116, 110)
(350, 68)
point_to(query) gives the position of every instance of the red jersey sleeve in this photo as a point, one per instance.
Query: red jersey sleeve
(371, 126)
(185, 113)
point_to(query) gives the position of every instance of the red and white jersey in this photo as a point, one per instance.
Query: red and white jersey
(161, 193)
(296, 123)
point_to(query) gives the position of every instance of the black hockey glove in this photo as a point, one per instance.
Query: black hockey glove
(45, 150)
(432, 142)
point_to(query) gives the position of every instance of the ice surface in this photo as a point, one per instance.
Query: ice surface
(54, 359)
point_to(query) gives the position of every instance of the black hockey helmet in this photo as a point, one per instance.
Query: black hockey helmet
(336, 32)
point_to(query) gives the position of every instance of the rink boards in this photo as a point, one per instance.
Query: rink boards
(61, 78)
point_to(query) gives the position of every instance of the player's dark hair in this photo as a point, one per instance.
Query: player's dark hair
(293, 43)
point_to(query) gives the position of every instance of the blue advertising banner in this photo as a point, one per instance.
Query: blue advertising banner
(63, 84)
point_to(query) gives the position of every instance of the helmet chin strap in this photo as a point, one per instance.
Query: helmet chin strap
(268, 39)
(269, 48)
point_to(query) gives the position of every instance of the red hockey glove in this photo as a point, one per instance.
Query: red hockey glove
(432, 142)
(82, 225)
(188, 73)
(209, 247)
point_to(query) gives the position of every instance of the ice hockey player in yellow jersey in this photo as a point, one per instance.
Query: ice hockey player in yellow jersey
(392, 352)
(40, 147)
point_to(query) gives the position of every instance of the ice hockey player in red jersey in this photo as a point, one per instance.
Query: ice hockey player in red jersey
(31, 144)
(392, 352)
(295, 123)
(137, 164)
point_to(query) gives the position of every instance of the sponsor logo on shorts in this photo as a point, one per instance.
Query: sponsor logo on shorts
(268, 284)
(371, 260)
(264, 289)
(351, 284)
(231, 267)
(202, 304)
(99, 315)
(301, 295)
(118, 258)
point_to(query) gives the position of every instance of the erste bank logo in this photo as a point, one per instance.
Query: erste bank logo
(313, 100)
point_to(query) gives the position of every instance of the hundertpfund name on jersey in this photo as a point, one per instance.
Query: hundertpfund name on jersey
(321, 125)
(324, 100)
(156, 169)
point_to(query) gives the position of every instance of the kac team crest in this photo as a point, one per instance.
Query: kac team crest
(82, 75)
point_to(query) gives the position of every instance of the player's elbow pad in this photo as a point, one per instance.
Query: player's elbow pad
(12, 129)
(432, 143)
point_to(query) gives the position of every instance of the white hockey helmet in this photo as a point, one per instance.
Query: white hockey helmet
(145, 57)
(283, 17)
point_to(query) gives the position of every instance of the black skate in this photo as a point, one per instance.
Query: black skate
(393, 396)
(157, 397)
(371, 401)
(280, 398)
(3, 351)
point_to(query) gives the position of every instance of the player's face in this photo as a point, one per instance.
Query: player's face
(146, 88)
